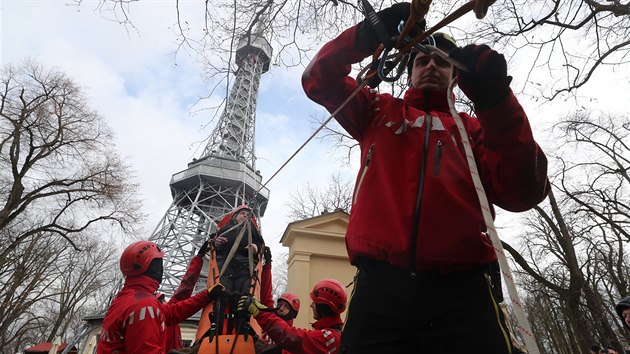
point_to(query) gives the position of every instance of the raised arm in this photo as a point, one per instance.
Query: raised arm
(512, 165)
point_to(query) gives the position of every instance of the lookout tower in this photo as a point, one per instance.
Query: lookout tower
(223, 177)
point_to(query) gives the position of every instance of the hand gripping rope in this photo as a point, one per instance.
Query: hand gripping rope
(404, 44)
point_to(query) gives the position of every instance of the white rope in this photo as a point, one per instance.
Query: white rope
(321, 126)
(521, 319)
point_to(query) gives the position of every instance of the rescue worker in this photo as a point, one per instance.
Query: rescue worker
(416, 232)
(328, 302)
(236, 277)
(135, 321)
(623, 311)
(287, 308)
(183, 292)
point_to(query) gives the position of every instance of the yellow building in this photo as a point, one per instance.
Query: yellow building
(317, 250)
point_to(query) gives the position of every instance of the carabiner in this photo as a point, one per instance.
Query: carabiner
(386, 66)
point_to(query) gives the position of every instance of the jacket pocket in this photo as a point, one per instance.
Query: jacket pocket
(366, 165)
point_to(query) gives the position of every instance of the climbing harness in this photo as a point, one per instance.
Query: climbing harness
(521, 318)
(229, 332)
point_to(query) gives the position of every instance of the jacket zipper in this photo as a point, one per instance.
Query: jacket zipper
(438, 158)
(365, 168)
(423, 167)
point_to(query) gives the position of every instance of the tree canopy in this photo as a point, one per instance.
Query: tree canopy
(64, 192)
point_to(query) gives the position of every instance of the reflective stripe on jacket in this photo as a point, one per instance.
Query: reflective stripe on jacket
(135, 322)
(323, 338)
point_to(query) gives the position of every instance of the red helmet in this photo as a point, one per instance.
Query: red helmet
(241, 208)
(228, 217)
(137, 257)
(330, 292)
(292, 300)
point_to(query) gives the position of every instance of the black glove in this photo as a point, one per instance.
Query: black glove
(203, 250)
(367, 35)
(487, 83)
(267, 255)
(215, 291)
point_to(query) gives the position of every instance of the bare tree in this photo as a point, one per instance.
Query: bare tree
(280, 275)
(568, 40)
(309, 201)
(47, 287)
(57, 164)
(61, 183)
(85, 275)
(25, 274)
(573, 259)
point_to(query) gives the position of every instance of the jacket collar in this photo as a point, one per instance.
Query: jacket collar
(142, 282)
(327, 322)
(427, 99)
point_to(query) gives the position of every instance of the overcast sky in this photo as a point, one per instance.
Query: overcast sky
(147, 95)
(132, 78)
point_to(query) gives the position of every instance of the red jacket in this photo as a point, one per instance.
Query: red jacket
(266, 298)
(391, 134)
(186, 287)
(135, 321)
(324, 338)
(266, 286)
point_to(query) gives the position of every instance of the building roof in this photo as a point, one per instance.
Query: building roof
(45, 348)
(331, 222)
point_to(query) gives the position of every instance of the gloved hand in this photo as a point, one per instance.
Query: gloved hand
(267, 255)
(219, 241)
(487, 83)
(367, 35)
(203, 250)
(215, 291)
(250, 304)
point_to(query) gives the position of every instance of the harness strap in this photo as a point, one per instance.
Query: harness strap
(233, 250)
(377, 24)
(522, 322)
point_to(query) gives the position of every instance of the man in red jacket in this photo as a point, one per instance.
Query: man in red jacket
(416, 231)
(329, 301)
(136, 321)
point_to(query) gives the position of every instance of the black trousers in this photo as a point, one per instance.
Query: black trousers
(392, 311)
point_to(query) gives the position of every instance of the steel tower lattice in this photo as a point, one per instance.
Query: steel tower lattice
(224, 177)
